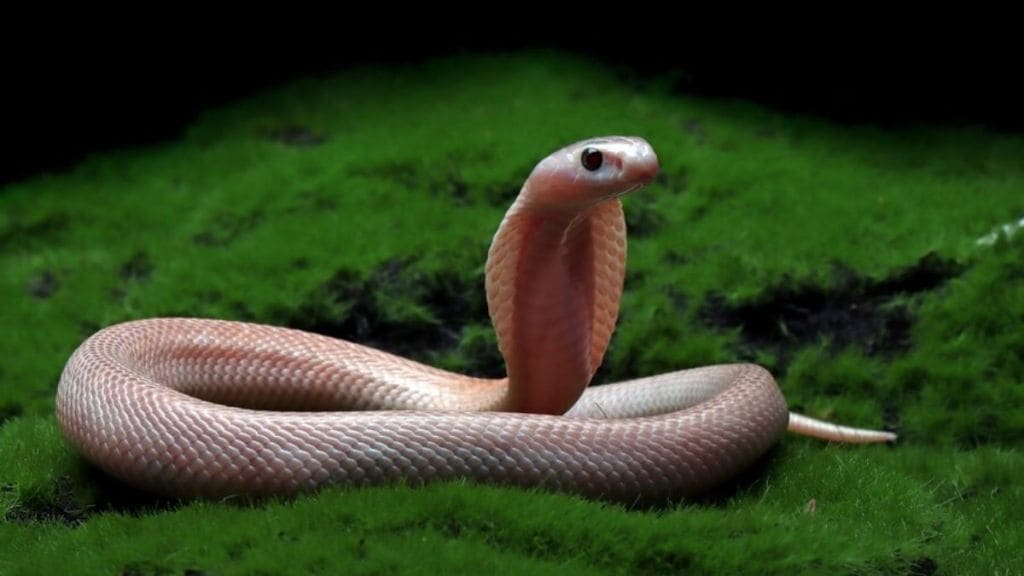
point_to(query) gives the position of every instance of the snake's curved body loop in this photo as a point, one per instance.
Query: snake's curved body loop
(198, 407)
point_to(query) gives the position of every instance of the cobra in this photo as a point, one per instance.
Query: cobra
(202, 407)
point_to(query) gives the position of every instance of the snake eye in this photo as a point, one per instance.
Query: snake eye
(591, 158)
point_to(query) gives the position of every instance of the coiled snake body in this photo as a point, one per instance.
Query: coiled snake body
(196, 407)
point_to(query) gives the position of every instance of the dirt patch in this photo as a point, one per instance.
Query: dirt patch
(43, 286)
(503, 195)
(874, 315)
(402, 310)
(66, 507)
(19, 233)
(138, 268)
(923, 566)
(10, 410)
(63, 507)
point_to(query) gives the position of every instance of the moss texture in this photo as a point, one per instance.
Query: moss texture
(361, 206)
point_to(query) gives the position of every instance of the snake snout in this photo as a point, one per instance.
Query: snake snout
(642, 165)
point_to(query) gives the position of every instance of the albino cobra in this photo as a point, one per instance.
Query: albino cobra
(195, 407)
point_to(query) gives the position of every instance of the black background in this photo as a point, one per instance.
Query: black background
(67, 95)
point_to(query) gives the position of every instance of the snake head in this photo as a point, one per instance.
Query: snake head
(590, 171)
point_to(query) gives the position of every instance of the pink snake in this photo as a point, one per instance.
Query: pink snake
(194, 407)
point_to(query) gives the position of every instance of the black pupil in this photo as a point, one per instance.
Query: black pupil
(591, 158)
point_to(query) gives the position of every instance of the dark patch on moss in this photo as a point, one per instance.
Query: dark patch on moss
(923, 567)
(408, 175)
(696, 129)
(928, 273)
(60, 507)
(502, 196)
(397, 308)
(236, 550)
(138, 268)
(116, 496)
(477, 354)
(44, 285)
(642, 217)
(226, 228)
(211, 296)
(10, 410)
(871, 314)
(38, 233)
(545, 545)
(480, 355)
(676, 257)
(241, 311)
(891, 413)
(449, 526)
(297, 136)
(195, 572)
(317, 201)
(63, 505)
(676, 182)
(446, 182)
(679, 299)
(635, 277)
(662, 561)
(145, 568)
(708, 198)
(88, 328)
(456, 187)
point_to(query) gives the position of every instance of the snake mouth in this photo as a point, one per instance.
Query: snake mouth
(629, 190)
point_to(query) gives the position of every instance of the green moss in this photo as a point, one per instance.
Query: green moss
(362, 205)
(965, 373)
(40, 476)
(785, 521)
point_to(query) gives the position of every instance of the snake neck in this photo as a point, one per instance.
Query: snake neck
(541, 286)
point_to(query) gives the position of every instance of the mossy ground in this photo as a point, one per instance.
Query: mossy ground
(362, 206)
